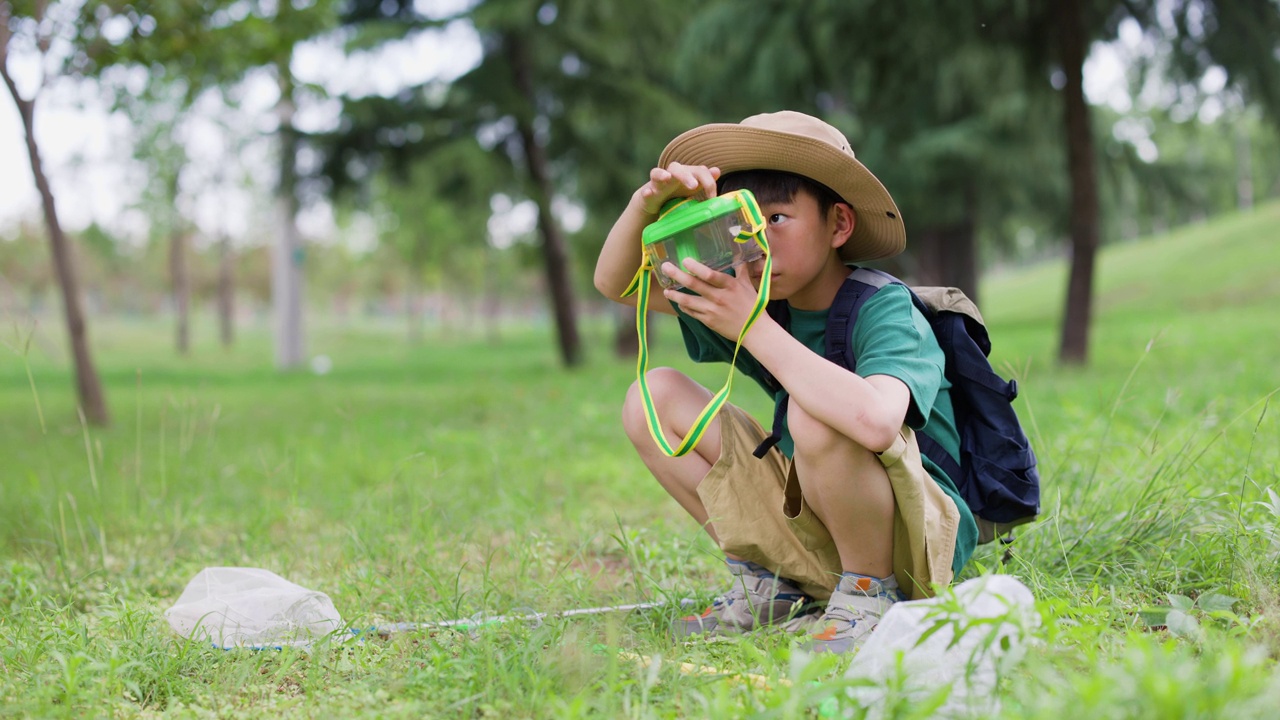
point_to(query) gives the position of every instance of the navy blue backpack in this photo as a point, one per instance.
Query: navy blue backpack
(996, 473)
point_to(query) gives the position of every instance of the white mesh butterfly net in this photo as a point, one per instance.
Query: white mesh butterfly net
(251, 607)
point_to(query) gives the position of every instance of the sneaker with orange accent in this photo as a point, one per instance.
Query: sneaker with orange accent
(756, 598)
(854, 610)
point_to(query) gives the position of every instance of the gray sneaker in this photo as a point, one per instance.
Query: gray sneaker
(756, 598)
(853, 612)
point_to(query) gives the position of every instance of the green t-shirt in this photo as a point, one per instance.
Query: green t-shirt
(891, 338)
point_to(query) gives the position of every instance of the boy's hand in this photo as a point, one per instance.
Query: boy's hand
(723, 303)
(677, 180)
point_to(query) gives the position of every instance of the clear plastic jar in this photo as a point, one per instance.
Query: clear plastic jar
(719, 232)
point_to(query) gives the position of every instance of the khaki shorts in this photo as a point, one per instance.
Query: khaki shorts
(760, 515)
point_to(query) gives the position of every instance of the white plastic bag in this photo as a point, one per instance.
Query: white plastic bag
(976, 632)
(251, 607)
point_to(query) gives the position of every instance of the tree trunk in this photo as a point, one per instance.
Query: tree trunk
(626, 343)
(287, 258)
(962, 253)
(926, 251)
(413, 305)
(88, 385)
(492, 311)
(413, 289)
(1074, 349)
(948, 256)
(559, 279)
(491, 298)
(181, 289)
(1244, 166)
(226, 294)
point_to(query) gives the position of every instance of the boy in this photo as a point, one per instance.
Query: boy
(843, 509)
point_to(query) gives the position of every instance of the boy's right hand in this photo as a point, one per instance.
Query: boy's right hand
(677, 180)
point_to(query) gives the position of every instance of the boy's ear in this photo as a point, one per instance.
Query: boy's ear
(843, 220)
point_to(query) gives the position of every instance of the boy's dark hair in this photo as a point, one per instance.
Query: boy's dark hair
(772, 186)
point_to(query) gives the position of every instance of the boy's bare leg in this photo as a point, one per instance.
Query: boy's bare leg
(756, 596)
(848, 489)
(679, 400)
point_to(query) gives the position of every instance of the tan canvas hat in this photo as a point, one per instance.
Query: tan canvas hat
(802, 144)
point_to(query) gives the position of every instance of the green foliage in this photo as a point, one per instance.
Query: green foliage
(199, 45)
(602, 105)
(1236, 36)
(953, 106)
(1195, 175)
(438, 209)
(971, 136)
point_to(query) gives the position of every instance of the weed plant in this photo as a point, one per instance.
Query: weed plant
(468, 477)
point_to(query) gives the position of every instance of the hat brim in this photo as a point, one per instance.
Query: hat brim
(878, 232)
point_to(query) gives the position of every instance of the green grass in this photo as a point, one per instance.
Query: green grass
(463, 476)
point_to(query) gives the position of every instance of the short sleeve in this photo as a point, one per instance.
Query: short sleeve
(705, 345)
(701, 342)
(892, 337)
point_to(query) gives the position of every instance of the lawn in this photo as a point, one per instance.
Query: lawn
(467, 476)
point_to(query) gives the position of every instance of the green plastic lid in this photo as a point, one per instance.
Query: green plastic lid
(689, 214)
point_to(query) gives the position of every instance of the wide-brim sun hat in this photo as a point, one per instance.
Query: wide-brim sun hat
(804, 145)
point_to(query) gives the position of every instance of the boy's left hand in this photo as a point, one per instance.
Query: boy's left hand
(723, 302)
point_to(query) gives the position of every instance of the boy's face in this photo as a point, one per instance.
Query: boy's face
(803, 243)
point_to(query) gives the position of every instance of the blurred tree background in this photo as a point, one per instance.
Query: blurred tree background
(458, 163)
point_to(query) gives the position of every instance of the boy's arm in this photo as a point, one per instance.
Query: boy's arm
(870, 410)
(621, 253)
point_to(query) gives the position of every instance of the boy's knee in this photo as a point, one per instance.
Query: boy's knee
(664, 383)
(810, 435)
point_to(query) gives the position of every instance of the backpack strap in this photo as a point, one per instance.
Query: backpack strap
(940, 457)
(781, 314)
(857, 290)
(861, 284)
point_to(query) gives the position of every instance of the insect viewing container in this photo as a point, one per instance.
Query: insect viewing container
(721, 232)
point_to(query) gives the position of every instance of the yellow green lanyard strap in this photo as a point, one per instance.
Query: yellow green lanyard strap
(640, 284)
